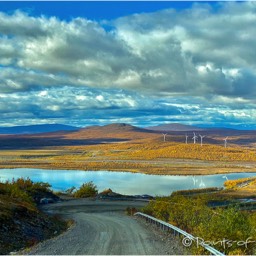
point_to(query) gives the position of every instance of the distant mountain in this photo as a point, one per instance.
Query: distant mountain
(115, 127)
(111, 133)
(175, 127)
(40, 136)
(40, 128)
(121, 127)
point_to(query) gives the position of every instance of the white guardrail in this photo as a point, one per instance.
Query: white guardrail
(165, 225)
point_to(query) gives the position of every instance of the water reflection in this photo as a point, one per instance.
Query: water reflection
(199, 182)
(225, 177)
(121, 182)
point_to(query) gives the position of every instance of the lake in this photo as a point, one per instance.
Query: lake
(121, 182)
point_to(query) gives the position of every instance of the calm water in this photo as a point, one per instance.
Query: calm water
(121, 182)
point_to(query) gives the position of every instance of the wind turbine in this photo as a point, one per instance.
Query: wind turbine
(202, 184)
(164, 134)
(201, 139)
(194, 180)
(225, 142)
(186, 139)
(194, 138)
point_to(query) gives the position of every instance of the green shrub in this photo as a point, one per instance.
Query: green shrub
(226, 224)
(87, 189)
(70, 190)
(215, 225)
(23, 189)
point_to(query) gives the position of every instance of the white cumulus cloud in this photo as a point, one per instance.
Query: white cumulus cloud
(203, 56)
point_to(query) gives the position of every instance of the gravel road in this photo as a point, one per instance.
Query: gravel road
(101, 228)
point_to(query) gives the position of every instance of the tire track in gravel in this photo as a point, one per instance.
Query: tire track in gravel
(102, 228)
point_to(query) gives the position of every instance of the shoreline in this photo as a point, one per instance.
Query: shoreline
(172, 170)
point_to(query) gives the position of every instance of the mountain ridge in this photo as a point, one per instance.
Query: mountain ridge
(37, 128)
(112, 127)
(175, 127)
(118, 127)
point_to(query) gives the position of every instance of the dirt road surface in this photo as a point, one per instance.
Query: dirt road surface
(103, 228)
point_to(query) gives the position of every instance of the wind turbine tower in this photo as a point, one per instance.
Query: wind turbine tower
(201, 139)
(164, 134)
(195, 180)
(186, 139)
(225, 142)
(194, 138)
(202, 184)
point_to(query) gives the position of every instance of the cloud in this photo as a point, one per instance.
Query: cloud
(21, 25)
(186, 52)
(87, 106)
(168, 65)
(84, 106)
(197, 50)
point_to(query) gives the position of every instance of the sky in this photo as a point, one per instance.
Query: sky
(142, 63)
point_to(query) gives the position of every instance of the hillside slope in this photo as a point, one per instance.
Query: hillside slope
(112, 132)
(22, 224)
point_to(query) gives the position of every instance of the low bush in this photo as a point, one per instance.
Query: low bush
(87, 189)
(24, 189)
(227, 228)
(229, 184)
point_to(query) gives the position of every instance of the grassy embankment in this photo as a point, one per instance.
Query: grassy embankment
(22, 224)
(201, 213)
(147, 157)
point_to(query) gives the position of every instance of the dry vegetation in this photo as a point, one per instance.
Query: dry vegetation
(125, 148)
(241, 188)
(148, 157)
